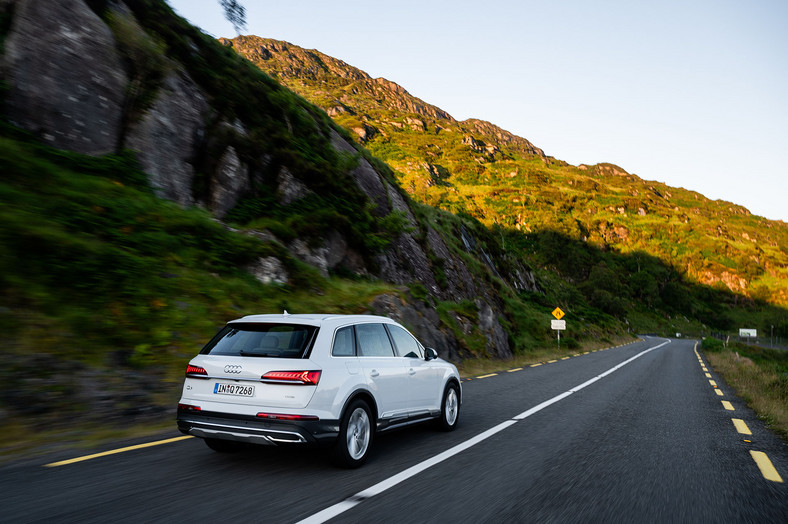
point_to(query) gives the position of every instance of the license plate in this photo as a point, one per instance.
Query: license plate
(233, 389)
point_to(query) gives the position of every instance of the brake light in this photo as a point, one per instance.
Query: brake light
(307, 378)
(195, 370)
(188, 407)
(282, 416)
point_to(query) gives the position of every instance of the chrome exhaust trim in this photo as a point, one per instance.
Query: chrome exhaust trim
(246, 434)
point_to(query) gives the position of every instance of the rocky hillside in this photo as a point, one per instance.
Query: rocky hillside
(503, 179)
(156, 184)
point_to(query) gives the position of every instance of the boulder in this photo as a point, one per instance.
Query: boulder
(168, 137)
(230, 182)
(66, 80)
(497, 339)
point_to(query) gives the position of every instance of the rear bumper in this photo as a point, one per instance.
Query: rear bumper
(244, 428)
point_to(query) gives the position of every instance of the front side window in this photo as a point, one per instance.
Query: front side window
(344, 345)
(373, 341)
(261, 340)
(404, 343)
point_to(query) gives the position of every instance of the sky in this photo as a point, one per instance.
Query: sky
(692, 93)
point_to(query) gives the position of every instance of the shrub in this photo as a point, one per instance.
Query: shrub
(712, 344)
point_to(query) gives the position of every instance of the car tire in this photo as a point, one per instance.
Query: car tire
(223, 446)
(450, 408)
(355, 436)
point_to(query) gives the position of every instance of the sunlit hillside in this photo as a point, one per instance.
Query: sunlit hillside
(501, 179)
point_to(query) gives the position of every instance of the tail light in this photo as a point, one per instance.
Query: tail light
(188, 407)
(282, 416)
(306, 378)
(196, 372)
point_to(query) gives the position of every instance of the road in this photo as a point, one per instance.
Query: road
(633, 433)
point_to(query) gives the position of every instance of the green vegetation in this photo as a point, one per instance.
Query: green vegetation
(759, 375)
(105, 285)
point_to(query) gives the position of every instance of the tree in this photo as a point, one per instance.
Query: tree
(235, 13)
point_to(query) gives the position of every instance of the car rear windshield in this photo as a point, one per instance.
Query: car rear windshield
(261, 340)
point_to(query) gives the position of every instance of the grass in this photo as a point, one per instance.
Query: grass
(759, 376)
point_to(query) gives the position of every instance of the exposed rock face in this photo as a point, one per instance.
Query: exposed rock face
(423, 321)
(366, 177)
(406, 261)
(66, 80)
(168, 136)
(503, 137)
(462, 284)
(269, 270)
(497, 340)
(285, 60)
(333, 253)
(230, 181)
(290, 188)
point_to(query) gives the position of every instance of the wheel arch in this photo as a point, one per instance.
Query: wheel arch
(453, 380)
(366, 396)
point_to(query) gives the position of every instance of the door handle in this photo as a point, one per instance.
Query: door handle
(412, 371)
(374, 373)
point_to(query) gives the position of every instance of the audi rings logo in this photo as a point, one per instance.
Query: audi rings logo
(232, 369)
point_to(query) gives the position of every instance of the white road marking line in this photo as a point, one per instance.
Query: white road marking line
(380, 487)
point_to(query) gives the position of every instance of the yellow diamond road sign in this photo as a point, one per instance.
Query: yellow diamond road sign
(558, 314)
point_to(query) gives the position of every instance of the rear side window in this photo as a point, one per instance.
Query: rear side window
(344, 345)
(404, 343)
(261, 340)
(373, 341)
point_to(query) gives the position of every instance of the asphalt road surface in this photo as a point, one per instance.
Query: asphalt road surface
(637, 433)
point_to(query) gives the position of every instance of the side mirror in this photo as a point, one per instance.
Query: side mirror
(430, 354)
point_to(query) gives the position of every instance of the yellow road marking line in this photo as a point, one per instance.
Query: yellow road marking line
(515, 369)
(704, 369)
(713, 383)
(551, 361)
(719, 392)
(741, 426)
(114, 451)
(536, 365)
(566, 358)
(766, 467)
(727, 405)
(708, 375)
(487, 376)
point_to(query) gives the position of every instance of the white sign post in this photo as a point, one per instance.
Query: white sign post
(558, 326)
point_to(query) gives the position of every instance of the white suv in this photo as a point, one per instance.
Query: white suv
(337, 379)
